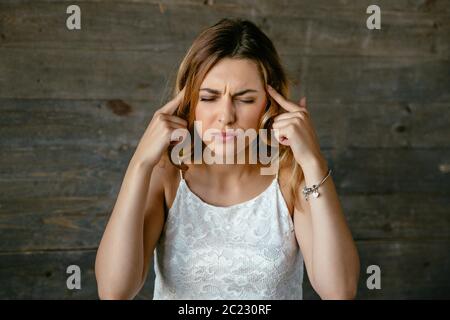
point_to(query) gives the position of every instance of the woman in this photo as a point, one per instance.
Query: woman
(227, 231)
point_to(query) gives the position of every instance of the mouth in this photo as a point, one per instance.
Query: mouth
(224, 136)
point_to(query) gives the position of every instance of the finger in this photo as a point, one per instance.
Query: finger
(287, 115)
(178, 134)
(173, 126)
(283, 123)
(171, 106)
(280, 136)
(282, 101)
(177, 131)
(303, 102)
(174, 119)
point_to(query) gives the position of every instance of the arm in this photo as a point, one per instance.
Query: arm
(137, 220)
(131, 233)
(329, 251)
(330, 254)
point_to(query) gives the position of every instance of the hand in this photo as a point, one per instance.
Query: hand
(159, 133)
(295, 129)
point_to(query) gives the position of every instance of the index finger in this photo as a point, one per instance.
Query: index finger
(282, 101)
(171, 106)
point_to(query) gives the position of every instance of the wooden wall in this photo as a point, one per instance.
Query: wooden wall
(74, 104)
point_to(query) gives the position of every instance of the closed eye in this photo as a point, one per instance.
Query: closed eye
(212, 99)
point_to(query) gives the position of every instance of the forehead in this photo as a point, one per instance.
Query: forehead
(233, 72)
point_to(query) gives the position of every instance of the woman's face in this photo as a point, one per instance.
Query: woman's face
(232, 96)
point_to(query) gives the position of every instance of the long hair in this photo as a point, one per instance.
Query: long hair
(240, 39)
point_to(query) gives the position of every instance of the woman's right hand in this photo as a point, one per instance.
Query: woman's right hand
(157, 136)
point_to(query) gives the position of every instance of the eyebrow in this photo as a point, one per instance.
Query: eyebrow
(240, 93)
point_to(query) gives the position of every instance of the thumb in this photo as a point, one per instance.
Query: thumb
(303, 102)
(171, 106)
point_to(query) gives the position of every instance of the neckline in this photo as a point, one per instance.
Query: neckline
(233, 206)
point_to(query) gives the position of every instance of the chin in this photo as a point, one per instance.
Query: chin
(226, 152)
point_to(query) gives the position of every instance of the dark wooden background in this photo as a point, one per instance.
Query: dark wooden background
(74, 104)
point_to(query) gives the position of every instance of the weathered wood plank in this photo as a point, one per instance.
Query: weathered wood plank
(321, 7)
(385, 125)
(155, 26)
(112, 75)
(351, 79)
(111, 123)
(345, 34)
(288, 7)
(42, 275)
(409, 269)
(397, 216)
(136, 75)
(391, 170)
(54, 171)
(78, 223)
(53, 223)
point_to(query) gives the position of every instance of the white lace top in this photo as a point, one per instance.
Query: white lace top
(243, 251)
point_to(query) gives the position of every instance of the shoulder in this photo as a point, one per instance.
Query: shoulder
(168, 177)
(166, 171)
(284, 175)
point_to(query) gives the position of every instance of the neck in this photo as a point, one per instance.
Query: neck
(230, 174)
(225, 176)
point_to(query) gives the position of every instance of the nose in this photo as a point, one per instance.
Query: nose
(227, 112)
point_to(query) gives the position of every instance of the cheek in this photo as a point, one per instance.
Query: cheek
(250, 116)
(204, 116)
(200, 113)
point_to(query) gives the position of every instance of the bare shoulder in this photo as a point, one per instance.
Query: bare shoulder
(283, 178)
(168, 177)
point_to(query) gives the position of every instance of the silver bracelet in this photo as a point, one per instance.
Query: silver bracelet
(314, 189)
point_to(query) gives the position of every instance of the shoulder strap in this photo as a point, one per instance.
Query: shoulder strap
(278, 170)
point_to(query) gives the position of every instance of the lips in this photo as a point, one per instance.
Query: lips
(224, 136)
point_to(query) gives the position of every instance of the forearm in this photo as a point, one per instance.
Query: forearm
(335, 259)
(120, 256)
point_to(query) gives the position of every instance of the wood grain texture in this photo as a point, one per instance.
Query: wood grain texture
(74, 104)
(140, 75)
(154, 26)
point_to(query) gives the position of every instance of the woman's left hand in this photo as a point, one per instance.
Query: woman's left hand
(295, 129)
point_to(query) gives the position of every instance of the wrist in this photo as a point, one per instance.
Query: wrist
(315, 170)
(141, 164)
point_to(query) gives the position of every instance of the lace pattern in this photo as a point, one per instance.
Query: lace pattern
(243, 251)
